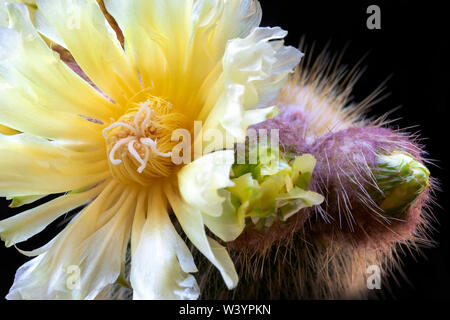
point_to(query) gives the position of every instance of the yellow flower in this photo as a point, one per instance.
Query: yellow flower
(110, 147)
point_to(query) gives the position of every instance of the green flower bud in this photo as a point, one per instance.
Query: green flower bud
(401, 179)
(273, 188)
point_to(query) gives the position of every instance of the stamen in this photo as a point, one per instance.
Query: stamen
(135, 144)
(152, 144)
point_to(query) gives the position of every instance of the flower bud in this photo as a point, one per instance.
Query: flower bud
(401, 179)
(273, 188)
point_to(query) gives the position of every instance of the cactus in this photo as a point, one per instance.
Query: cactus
(376, 191)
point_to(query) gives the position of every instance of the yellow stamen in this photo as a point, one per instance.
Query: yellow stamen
(139, 144)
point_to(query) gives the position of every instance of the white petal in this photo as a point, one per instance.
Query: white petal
(161, 262)
(93, 244)
(229, 225)
(94, 45)
(45, 28)
(192, 223)
(201, 180)
(239, 18)
(254, 71)
(26, 224)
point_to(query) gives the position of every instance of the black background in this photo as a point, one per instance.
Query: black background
(413, 47)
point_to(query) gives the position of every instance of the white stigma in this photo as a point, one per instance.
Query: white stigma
(152, 144)
(138, 132)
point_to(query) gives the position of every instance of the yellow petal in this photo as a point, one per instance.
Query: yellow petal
(156, 37)
(31, 70)
(94, 45)
(178, 45)
(7, 131)
(34, 166)
(24, 113)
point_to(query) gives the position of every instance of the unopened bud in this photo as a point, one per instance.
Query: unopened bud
(401, 179)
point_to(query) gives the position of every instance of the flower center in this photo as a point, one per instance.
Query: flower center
(139, 144)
